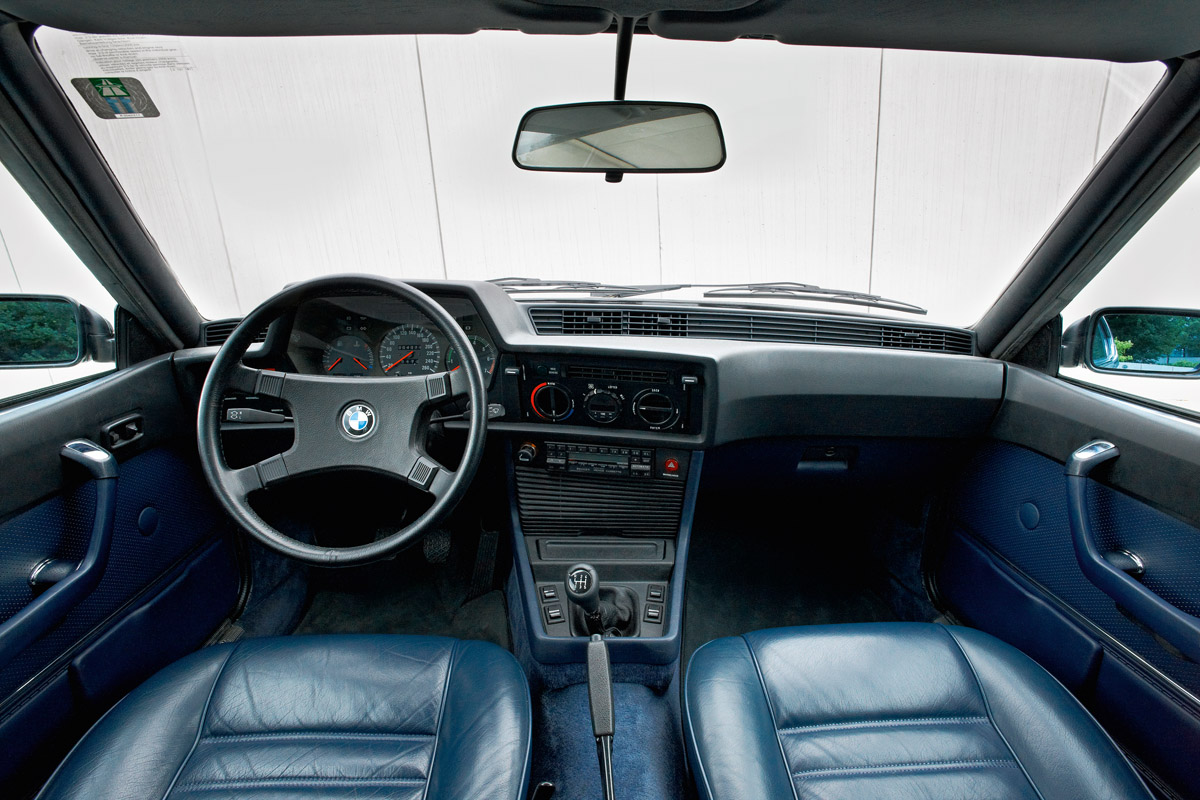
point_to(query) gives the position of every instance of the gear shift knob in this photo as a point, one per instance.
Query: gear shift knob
(583, 588)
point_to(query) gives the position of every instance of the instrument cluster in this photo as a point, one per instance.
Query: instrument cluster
(382, 336)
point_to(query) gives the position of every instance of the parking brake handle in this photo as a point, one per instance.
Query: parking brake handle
(600, 698)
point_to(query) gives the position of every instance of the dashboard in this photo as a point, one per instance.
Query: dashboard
(363, 336)
(666, 391)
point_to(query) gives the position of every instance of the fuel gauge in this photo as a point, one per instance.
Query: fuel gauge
(347, 355)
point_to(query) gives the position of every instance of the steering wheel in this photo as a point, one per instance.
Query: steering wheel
(377, 424)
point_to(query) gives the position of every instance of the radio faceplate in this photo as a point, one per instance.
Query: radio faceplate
(611, 394)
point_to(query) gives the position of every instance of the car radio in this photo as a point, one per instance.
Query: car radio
(609, 460)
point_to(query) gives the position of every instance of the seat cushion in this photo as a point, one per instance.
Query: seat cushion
(896, 710)
(314, 716)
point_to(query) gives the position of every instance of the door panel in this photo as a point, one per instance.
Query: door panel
(1008, 564)
(171, 578)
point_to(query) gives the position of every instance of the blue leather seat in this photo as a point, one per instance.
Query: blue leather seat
(314, 717)
(899, 710)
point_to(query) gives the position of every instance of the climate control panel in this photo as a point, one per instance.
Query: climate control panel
(612, 394)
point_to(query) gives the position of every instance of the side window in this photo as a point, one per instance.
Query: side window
(1155, 269)
(34, 260)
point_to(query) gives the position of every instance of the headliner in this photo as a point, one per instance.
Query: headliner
(1115, 30)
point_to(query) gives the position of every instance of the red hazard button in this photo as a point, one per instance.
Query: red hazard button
(671, 465)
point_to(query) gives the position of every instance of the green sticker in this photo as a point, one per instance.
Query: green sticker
(116, 98)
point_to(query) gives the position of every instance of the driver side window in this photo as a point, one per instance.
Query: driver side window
(34, 260)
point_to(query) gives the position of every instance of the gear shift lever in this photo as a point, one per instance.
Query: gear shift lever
(583, 589)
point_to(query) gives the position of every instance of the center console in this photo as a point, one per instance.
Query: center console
(613, 510)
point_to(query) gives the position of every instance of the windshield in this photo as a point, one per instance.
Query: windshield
(923, 177)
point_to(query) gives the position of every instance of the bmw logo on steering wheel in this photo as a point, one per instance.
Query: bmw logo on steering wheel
(358, 420)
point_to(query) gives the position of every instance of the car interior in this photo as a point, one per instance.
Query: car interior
(536, 538)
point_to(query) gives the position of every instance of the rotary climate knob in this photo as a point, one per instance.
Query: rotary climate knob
(602, 406)
(551, 402)
(655, 409)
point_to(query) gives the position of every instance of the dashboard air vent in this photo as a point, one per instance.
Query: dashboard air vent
(591, 323)
(655, 323)
(616, 374)
(217, 331)
(760, 326)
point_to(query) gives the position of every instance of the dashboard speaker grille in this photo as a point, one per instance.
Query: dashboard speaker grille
(762, 326)
(557, 504)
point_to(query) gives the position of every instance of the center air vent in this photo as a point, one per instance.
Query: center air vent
(748, 325)
(610, 374)
(591, 323)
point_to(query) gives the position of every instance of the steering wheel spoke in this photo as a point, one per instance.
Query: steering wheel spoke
(244, 480)
(261, 382)
(441, 482)
(460, 382)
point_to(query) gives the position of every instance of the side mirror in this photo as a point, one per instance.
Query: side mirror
(619, 137)
(50, 331)
(1149, 342)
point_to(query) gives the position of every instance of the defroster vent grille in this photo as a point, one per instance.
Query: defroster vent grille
(761, 326)
(557, 504)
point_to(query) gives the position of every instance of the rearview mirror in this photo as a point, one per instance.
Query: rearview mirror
(50, 331)
(619, 137)
(1150, 342)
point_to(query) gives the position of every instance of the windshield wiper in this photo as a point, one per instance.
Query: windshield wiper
(780, 289)
(809, 291)
(595, 289)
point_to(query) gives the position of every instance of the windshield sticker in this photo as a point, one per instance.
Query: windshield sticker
(116, 98)
(117, 54)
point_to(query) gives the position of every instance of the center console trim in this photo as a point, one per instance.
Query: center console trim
(546, 649)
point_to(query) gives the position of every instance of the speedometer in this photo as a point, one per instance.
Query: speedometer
(410, 350)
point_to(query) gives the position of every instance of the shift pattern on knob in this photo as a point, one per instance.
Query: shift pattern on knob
(583, 587)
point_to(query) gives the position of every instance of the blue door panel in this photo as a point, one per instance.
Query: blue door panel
(992, 599)
(168, 626)
(165, 590)
(1154, 725)
(1008, 567)
(1004, 478)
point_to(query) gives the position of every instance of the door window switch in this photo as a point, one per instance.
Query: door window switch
(656, 594)
(654, 612)
(554, 614)
(548, 593)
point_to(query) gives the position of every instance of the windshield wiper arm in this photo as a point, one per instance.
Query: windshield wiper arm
(782, 289)
(809, 291)
(595, 289)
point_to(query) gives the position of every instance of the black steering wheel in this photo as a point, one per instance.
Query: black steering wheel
(377, 423)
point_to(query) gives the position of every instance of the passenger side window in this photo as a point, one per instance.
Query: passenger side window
(1155, 269)
(35, 260)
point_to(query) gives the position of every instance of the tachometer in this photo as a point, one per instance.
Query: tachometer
(347, 355)
(483, 350)
(410, 350)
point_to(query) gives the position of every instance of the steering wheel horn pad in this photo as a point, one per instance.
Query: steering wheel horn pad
(377, 424)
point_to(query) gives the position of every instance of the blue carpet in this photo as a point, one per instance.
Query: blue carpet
(647, 747)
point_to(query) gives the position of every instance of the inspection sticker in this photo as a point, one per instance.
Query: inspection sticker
(116, 98)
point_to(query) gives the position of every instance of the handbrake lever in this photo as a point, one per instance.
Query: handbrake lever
(600, 697)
